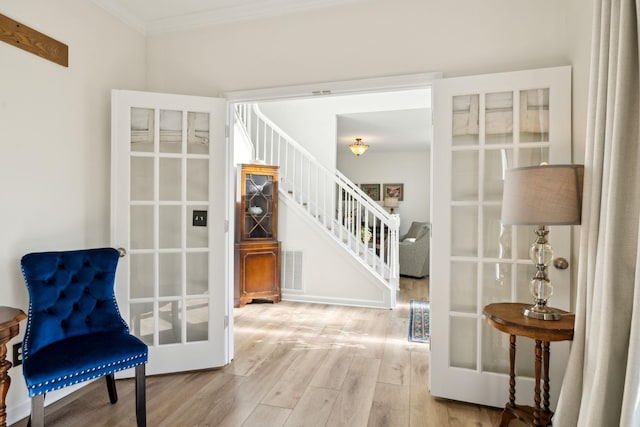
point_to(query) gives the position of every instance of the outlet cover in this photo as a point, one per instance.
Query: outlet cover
(17, 354)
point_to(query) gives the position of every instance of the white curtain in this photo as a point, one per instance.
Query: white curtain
(602, 383)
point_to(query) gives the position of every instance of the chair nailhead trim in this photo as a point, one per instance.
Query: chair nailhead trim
(100, 374)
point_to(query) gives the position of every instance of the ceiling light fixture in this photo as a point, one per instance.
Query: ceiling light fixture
(358, 147)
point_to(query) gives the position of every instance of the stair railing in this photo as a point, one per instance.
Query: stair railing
(351, 217)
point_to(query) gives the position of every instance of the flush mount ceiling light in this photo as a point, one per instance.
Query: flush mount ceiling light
(358, 147)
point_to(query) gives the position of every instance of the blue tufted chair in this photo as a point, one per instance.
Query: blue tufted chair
(74, 330)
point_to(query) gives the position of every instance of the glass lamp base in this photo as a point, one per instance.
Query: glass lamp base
(541, 312)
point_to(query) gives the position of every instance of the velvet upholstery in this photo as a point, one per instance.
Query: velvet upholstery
(74, 329)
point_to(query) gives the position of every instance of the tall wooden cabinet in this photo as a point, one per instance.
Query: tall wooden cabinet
(257, 250)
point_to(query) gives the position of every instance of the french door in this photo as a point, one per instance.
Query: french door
(484, 125)
(168, 212)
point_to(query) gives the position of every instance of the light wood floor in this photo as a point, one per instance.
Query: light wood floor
(296, 364)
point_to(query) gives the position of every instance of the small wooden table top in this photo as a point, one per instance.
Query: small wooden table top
(507, 317)
(9, 319)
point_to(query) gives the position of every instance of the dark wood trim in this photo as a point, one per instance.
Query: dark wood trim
(33, 41)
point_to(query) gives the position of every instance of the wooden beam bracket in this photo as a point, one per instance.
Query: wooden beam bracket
(33, 41)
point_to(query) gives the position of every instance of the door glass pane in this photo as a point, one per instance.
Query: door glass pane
(534, 115)
(197, 320)
(170, 179)
(142, 322)
(495, 350)
(524, 274)
(533, 156)
(464, 175)
(498, 118)
(170, 274)
(492, 229)
(496, 282)
(170, 322)
(464, 231)
(197, 133)
(197, 236)
(463, 346)
(170, 227)
(464, 285)
(496, 163)
(197, 273)
(142, 226)
(197, 180)
(141, 280)
(525, 357)
(141, 178)
(170, 131)
(142, 131)
(525, 236)
(465, 120)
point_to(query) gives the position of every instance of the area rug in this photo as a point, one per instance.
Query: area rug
(419, 321)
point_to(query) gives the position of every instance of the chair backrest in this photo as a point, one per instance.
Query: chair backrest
(417, 230)
(70, 293)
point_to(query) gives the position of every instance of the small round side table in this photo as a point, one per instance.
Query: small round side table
(508, 318)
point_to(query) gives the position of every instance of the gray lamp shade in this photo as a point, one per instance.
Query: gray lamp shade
(543, 195)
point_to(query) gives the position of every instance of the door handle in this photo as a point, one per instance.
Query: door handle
(122, 252)
(561, 263)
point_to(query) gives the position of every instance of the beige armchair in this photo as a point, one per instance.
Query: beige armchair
(414, 250)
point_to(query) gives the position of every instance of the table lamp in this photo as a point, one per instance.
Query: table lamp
(391, 203)
(541, 196)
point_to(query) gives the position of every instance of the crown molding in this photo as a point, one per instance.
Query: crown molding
(116, 9)
(215, 15)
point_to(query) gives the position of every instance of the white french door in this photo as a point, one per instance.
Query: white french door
(168, 211)
(484, 125)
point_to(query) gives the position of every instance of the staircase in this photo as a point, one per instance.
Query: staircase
(334, 203)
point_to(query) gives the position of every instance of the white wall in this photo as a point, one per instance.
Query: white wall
(328, 276)
(409, 168)
(369, 39)
(312, 122)
(381, 38)
(54, 133)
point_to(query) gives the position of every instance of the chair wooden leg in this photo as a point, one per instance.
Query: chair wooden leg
(37, 411)
(141, 399)
(111, 388)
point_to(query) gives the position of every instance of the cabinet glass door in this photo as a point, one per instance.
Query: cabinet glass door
(258, 206)
(484, 125)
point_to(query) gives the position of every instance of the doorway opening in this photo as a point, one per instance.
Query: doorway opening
(324, 118)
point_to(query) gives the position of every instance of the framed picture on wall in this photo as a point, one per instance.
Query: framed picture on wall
(371, 190)
(393, 190)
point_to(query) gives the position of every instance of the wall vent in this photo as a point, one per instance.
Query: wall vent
(291, 270)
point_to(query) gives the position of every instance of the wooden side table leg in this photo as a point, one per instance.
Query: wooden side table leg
(5, 382)
(508, 414)
(512, 371)
(546, 395)
(536, 390)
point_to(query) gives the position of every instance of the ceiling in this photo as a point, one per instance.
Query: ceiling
(162, 16)
(386, 131)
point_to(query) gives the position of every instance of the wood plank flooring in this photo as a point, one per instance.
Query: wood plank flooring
(296, 365)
